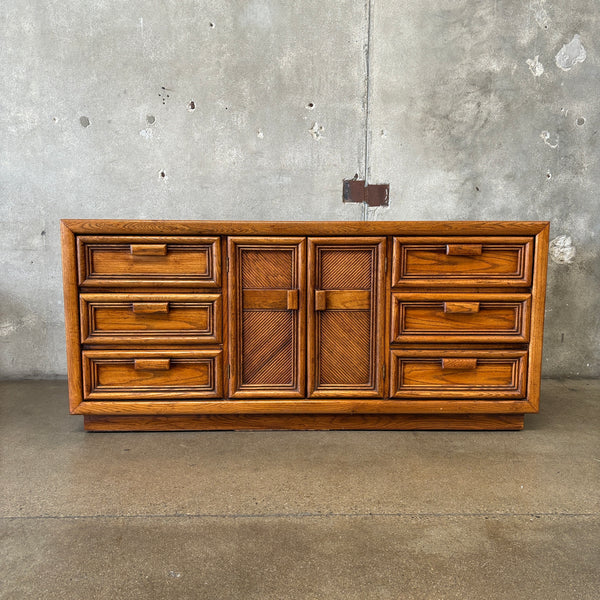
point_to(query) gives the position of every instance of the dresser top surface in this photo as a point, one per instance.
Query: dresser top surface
(329, 228)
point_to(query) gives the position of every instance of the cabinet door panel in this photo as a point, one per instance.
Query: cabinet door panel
(267, 290)
(345, 314)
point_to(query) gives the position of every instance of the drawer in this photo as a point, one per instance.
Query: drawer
(480, 374)
(130, 261)
(451, 318)
(150, 318)
(462, 261)
(148, 374)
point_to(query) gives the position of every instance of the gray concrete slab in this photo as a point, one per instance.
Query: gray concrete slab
(350, 557)
(51, 467)
(419, 515)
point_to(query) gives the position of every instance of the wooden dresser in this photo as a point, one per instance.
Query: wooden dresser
(204, 325)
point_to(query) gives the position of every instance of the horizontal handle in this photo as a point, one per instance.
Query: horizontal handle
(460, 364)
(461, 307)
(320, 299)
(150, 307)
(292, 299)
(152, 364)
(148, 249)
(463, 249)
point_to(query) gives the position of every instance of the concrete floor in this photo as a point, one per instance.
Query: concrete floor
(286, 515)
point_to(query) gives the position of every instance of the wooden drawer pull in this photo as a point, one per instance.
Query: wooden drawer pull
(463, 249)
(461, 307)
(150, 307)
(320, 299)
(152, 364)
(292, 299)
(148, 249)
(462, 364)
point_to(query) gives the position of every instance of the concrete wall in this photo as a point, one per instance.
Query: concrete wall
(259, 109)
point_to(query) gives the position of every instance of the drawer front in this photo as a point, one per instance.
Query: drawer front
(151, 374)
(462, 261)
(151, 318)
(481, 374)
(460, 317)
(122, 261)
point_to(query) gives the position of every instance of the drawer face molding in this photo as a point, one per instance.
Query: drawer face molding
(124, 261)
(485, 374)
(454, 261)
(303, 325)
(131, 375)
(451, 318)
(150, 318)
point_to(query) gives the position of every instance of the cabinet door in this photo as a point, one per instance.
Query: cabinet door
(267, 295)
(346, 308)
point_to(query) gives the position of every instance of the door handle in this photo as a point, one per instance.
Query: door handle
(320, 299)
(292, 299)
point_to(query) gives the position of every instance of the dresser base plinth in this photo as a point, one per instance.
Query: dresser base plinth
(302, 422)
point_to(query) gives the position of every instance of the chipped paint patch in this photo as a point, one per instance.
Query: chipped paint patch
(562, 250)
(316, 130)
(548, 140)
(540, 13)
(535, 66)
(571, 54)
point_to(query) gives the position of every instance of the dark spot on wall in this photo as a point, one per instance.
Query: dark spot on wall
(150, 119)
(211, 25)
(191, 106)
(476, 188)
(549, 175)
(562, 338)
(85, 122)
(580, 121)
(43, 232)
(162, 174)
(310, 105)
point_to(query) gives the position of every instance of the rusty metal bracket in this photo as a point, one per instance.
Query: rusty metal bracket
(372, 194)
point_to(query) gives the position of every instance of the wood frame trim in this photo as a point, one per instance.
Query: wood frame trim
(303, 228)
(379, 305)
(305, 422)
(71, 305)
(538, 292)
(233, 243)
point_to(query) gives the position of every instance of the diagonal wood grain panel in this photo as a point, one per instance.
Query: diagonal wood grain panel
(345, 268)
(345, 348)
(268, 348)
(266, 268)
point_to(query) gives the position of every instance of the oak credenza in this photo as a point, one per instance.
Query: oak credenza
(204, 325)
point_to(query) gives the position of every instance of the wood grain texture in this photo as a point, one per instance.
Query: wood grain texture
(71, 302)
(470, 354)
(424, 317)
(125, 261)
(144, 374)
(303, 228)
(537, 316)
(438, 406)
(267, 341)
(449, 373)
(108, 318)
(345, 316)
(304, 422)
(425, 261)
